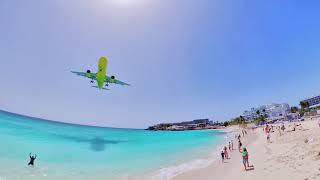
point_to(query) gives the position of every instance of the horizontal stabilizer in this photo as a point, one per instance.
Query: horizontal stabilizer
(99, 88)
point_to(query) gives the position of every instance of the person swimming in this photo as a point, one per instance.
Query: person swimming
(32, 159)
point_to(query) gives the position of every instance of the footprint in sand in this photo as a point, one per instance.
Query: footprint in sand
(268, 150)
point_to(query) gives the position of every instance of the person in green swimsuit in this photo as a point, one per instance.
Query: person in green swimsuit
(245, 159)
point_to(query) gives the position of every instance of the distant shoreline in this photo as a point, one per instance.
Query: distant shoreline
(60, 122)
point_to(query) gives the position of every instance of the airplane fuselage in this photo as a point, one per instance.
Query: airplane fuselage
(101, 74)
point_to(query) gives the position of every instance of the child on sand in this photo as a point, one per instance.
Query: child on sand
(222, 156)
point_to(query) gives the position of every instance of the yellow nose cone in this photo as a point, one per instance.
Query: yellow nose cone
(103, 62)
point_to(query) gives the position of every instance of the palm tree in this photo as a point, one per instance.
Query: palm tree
(258, 112)
(304, 104)
(294, 109)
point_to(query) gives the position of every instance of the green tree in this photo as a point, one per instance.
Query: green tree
(294, 109)
(261, 118)
(304, 104)
(258, 112)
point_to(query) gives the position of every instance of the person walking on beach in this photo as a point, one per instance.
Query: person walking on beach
(226, 152)
(222, 156)
(279, 129)
(239, 145)
(268, 138)
(267, 128)
(32, 159)
(230, 146)
(283, 128)
(245, 159)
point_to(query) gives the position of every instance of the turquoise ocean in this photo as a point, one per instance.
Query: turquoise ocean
(68, 151)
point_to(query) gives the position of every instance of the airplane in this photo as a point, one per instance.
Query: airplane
(101, 77)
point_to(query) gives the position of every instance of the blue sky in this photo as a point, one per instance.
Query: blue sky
(185, 59)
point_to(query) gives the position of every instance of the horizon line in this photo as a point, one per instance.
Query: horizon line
(61, 122)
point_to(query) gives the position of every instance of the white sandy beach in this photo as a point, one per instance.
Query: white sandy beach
(288, 156)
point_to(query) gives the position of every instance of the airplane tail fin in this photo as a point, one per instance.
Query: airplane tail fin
(99, 88)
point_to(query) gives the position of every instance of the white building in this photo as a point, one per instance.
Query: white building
(271, 111)
(313, 101)
(274, 110)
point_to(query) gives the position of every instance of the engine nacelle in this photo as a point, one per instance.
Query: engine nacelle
(88, 74)
(112, 79)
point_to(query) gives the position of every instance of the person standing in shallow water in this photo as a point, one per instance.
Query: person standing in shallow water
(32, 159)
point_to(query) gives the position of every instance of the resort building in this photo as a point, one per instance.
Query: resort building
(313, 101)
(272, 112)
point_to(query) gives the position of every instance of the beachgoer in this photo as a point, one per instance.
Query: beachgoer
(222, 156)
(32, 159)
(268, 137)
(267, 128)
(279, 129)
(239, 145)
(230, 146)
(245, 158)
(226, 152)
(283, 128)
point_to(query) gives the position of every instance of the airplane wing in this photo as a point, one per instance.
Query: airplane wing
(86, 74)
(115, 81)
